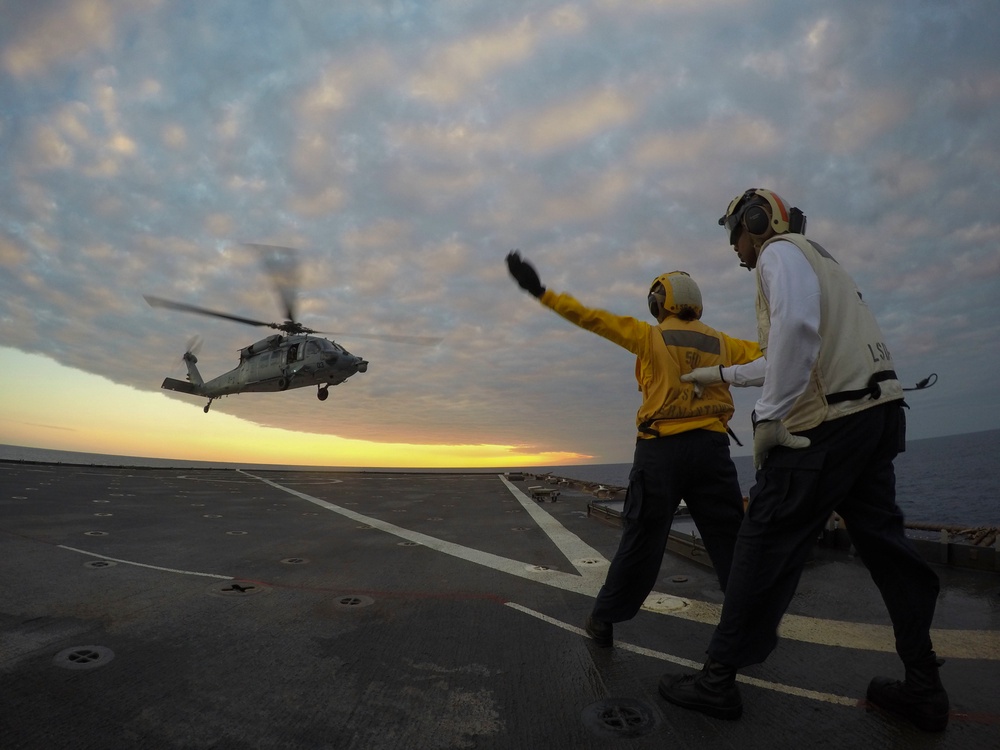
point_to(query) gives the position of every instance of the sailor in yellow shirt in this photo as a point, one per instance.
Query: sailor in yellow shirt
(682, 449)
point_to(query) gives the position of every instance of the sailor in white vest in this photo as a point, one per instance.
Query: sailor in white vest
(827, 426)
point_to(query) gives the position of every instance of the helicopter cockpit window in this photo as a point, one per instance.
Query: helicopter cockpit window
(313, 347)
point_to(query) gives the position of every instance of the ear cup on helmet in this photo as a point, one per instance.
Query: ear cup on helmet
(756, 220)
(654, 305)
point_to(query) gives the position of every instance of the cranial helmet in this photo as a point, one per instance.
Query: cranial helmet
(671, 293)
(758, 211)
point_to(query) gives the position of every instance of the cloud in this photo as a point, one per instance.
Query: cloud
(571, 123)
(458, 67)
(53, 33)
(406, 148)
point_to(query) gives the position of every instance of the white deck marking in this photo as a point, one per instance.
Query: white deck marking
(144, 565)
(958, 644)
(578, 584)
(815, 695)
(572, 546)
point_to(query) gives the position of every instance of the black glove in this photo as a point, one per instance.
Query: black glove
(524, 273)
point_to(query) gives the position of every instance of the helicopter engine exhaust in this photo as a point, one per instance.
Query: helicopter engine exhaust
(271, 342)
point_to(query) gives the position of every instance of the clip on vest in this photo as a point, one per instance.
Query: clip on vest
(873, 390)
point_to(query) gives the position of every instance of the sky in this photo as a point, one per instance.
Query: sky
(405, 147)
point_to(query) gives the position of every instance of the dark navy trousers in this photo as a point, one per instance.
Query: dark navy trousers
(847, 469)
(695, 467)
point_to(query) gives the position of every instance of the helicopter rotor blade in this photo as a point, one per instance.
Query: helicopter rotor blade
(184, 307)
(282, 265)
(398, 339)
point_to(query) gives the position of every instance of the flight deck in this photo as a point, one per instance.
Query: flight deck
(156, 608)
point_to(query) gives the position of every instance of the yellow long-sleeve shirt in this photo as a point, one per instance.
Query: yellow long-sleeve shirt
(663, 353)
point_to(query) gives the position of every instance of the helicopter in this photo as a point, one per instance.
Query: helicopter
(293, 358)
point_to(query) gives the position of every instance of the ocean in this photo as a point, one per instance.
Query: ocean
(947, 480)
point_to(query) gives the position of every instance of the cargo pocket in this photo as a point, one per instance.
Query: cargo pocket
(633, 496)
(785, 487)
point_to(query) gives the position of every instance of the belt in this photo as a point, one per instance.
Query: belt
(873, 390)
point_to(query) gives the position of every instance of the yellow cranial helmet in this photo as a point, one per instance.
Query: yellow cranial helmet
(673, 293)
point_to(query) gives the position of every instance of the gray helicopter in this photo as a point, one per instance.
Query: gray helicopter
(294, 358)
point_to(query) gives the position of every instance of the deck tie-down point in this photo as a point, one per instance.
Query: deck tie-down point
(619, 718)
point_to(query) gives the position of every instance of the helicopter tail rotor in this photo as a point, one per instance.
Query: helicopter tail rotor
(194, 345)
(191, 361)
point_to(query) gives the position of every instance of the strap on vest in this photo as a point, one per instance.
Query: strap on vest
(873, 391)
(647, 428)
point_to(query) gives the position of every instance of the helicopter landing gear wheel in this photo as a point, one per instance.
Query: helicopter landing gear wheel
(208, 406)
(323, 393)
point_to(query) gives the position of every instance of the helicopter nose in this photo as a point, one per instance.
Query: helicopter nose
(362, 365)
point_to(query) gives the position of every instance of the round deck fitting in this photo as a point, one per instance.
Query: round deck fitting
(354, 601)
(664, 603)
(619, 718)
(83, 657)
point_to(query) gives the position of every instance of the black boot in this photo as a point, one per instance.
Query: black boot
(920, 698)
(712, 691)
(602, 632)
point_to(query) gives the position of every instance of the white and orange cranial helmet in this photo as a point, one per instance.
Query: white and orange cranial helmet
(761, 211)
(673, 292)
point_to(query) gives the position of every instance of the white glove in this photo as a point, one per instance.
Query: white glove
(768, 434)
(702, 376)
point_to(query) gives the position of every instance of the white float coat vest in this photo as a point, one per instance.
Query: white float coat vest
(854, 369)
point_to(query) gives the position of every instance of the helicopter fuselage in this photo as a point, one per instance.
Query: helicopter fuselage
(276, 363)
